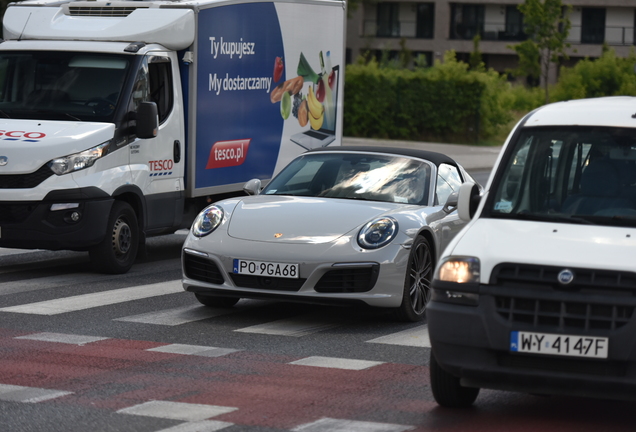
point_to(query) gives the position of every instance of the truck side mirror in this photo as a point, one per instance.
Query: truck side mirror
(468, 200)
(252, 187)
(147, 120)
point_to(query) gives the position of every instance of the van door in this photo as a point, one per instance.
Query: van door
(158, 163)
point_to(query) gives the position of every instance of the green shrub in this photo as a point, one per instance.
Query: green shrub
(446, 100)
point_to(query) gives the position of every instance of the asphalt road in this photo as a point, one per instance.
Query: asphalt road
(81, 351)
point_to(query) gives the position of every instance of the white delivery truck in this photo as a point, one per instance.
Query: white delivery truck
(122, 120)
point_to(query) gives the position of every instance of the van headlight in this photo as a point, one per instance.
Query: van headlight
(207, 221)
(377, 233)
(456, 280)
(78, 161)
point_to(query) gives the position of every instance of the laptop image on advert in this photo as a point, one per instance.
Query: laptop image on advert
(322, 137)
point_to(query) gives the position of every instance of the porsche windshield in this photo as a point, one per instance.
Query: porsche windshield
(355, 176)
(56, 85)
(568, 174)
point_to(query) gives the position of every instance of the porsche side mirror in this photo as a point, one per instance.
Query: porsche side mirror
(252, 187)
(468, 200)
(451, 203)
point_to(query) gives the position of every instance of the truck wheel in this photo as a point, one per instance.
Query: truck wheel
(417, 284)
(117, 252)
(447, 390)
(218, 302)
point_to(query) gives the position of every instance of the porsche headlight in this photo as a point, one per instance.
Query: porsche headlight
(78, 161)
(207, 221)
(377, 233)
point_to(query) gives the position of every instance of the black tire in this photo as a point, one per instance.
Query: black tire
(117, 252)
(216, 302)
(417, 283)
(447, 390)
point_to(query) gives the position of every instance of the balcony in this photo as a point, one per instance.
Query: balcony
(487, 32)
(611, 35)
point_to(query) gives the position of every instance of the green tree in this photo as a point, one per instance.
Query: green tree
(547, 25)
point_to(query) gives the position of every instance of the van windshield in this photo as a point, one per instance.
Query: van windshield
(61, 85)
(568, 174)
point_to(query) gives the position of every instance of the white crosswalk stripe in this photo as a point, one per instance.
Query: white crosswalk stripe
(88, 301)
(23, 394)
(176, 316)
(297, 326)
(415, 337)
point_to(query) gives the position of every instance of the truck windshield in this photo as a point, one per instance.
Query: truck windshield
(60, 85)
(568, 174)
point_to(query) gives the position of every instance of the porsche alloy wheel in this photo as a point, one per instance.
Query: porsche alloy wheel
(417, 285)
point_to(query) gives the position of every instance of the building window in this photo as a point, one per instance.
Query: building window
(388, 20)
(593, 25)
(467, 20)
(514, 25)
(425, 20)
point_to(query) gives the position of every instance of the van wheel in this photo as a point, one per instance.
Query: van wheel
(447, 390)
(117, 252)
(218, 302)
(417, 284)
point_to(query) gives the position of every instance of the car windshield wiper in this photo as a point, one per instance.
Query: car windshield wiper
(5, 114)
(542, 217)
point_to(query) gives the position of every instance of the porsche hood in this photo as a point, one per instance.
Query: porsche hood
(284, 219)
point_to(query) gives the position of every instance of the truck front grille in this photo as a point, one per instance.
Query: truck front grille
(563, 314)
(532, 295)
(348, 280)
(201, 269)
(25, 181)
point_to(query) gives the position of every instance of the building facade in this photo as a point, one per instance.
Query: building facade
(431, 28)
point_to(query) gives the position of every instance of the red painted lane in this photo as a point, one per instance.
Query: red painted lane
(268, 391)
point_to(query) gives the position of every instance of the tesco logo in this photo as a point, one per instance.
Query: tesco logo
(161, 165)
(228, 153)
(22, 134)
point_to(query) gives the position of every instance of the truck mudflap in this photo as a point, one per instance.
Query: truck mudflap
(64, 220)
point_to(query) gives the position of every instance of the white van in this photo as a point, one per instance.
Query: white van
(537, 293)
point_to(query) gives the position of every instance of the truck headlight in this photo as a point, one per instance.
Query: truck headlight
(78, 161)
(457, 281)
(207, 221)
(377, 233)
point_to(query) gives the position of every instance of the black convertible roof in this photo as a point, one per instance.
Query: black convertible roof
(436, 158)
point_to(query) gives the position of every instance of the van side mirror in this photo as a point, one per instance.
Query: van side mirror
(252, 187)
(468, 200)
(147, 120)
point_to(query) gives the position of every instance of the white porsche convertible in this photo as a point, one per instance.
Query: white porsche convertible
(337, 225)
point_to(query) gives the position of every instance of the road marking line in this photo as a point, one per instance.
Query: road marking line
(415, 337)
(176, 410)
(336, 363)
(62, 338)
(15, 393)
(336, 425)
(88, 301)
(198, 350)
(176, 316)
(200, 426)
(296, 327)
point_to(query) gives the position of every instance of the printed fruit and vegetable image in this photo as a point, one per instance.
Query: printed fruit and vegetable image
(317, 107)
